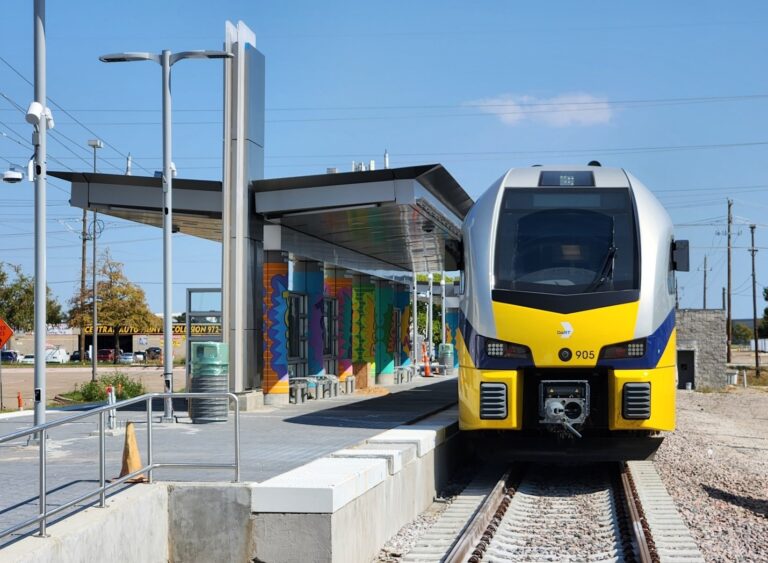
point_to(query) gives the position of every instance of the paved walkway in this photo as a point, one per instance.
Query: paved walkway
(273, 441)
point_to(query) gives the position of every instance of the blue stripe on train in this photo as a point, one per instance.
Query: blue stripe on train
(655, 345)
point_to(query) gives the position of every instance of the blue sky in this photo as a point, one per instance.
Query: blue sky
(675, 92)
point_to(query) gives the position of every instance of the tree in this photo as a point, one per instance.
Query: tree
(741, 334)
(762, 328)
(121, 303)
(17, 300)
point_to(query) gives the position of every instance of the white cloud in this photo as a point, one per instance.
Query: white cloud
(565, 110)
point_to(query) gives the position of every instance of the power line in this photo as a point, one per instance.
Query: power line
(478, 105)
(68, 114)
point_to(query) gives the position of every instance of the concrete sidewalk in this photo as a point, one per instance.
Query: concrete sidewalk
(273, 441)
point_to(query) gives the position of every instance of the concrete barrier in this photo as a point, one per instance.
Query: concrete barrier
(343, 508)
(132, 527)
(209, 522)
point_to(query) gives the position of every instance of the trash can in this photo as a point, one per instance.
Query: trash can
(209, 373)
(445, 357)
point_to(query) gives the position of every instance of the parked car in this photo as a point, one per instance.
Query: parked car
(125, 358)
(105, 355)
(139, 356)
(75, 357)
(56, 356)
(154, 353)
(28, 359)
(8, 356)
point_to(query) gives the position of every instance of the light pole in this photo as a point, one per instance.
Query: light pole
(430, 277)
(39, 116)
(95, 144)
(442, 308)
(166, 60)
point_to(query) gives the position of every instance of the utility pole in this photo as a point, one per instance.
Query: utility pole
(677, 295)
(753, 251)
(705, 281)
(728, 319)
(84, 240)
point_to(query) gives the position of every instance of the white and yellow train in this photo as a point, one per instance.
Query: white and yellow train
(567, 315)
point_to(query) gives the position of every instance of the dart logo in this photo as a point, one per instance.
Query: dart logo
(567, 330)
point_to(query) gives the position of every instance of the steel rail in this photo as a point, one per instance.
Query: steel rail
(478, 523)
(636, 521)
(41, 431)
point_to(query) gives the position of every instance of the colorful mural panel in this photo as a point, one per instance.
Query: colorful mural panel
(385, 338)
(339, 286)
(275, 327)
(308, 279)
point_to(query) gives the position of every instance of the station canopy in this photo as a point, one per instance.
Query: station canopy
(397, 219)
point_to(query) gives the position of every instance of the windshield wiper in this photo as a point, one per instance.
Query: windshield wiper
(605, 273)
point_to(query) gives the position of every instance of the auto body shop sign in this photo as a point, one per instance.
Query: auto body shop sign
(179, 329)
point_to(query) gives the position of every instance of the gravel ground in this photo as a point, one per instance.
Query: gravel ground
(715, 465)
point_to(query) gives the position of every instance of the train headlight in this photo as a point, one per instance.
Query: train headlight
(499, 349)
(631, 349)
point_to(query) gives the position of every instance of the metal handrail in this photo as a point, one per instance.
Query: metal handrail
(41, 432)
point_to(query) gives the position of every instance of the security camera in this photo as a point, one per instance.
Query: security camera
(428, 227)
(12, 176)
(49, 123)
(35, 113)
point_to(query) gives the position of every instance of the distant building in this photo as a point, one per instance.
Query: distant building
(701, 348)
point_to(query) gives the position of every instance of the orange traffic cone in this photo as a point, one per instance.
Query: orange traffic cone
(131, 455)
(20, 401)
(425, 359)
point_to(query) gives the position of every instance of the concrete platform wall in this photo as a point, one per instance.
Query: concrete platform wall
(132, 528)
(419, 458)
(339, 509)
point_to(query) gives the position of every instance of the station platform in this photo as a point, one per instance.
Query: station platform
(273, 441)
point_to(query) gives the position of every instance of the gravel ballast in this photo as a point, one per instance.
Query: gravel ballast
(715, 466)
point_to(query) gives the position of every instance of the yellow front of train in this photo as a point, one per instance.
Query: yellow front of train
(567, 316)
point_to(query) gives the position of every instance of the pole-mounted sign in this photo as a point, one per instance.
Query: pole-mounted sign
(5, 333)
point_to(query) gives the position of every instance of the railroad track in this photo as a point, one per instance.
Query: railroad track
(598, 512)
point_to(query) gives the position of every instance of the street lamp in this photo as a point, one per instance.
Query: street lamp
(166, 60)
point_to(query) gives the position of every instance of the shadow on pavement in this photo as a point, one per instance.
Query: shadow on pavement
(383, 411)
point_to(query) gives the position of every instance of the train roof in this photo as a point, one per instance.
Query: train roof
(566, 175)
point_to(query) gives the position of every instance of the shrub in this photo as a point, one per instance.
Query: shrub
(125, 388)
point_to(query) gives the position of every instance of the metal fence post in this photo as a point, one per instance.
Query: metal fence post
(43, 508)
(149, 438)
(237, 441)
(102, 462)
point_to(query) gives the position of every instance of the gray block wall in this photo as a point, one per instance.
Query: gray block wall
(703, 331)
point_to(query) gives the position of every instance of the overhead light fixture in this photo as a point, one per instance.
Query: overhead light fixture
(12, 176)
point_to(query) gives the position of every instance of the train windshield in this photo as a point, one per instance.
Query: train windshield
(566, 241)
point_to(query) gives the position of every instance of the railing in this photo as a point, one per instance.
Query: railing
(41, 432)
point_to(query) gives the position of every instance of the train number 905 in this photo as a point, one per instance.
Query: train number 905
(585, 354)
